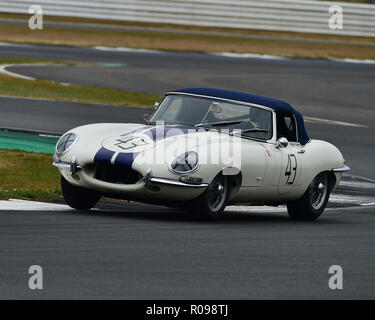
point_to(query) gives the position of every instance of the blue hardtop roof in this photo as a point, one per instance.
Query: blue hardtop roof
(239, 96)
(274, 104)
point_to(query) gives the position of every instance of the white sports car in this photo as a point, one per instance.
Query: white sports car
(203, 149)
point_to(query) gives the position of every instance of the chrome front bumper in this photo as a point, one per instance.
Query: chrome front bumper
(345, 168)
(149, 180)
(178, 183)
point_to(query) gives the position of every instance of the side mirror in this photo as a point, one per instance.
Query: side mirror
(156, 105)
(146, 117)
(282, 142)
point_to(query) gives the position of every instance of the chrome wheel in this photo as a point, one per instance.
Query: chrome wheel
(318, 191)
(217, 193)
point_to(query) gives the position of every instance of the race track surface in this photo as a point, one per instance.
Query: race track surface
(59, 117)
(147, 252)
(132, 250)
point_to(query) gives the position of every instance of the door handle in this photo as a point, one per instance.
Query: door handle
(301, 151)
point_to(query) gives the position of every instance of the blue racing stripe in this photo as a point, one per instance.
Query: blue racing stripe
(126, 159)
(103, 156)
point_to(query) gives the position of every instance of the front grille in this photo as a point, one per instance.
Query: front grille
(116, 174)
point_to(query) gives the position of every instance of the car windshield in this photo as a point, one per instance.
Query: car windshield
(210, 113)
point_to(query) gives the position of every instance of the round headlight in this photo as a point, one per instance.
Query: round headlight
(66, 142)
(185, 163)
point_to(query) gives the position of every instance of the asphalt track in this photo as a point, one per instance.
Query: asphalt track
(147, 252)
(152, 252)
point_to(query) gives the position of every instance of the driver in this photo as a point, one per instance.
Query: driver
(258, 118)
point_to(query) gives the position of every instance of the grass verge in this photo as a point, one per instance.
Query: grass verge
(15, 60)
(192, 42)
(45, 89)
(52, 90)
(26, 175)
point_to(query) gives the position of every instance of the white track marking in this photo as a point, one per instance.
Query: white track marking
(337, 198)
(255, 209)
(349, 60)
(224, 54)
(357, 184)
(17, 75)
(368, 204)
(23, 205)
(125, 49)
(12, 74)
(48, 135)
(21, 45)
(349, 199)
(274, 57)
(354, 176)
(248, 55)
(10, 44)
(333, 122)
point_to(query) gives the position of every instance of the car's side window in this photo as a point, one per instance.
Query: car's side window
(286, 126)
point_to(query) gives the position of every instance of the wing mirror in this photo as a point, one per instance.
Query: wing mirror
(156, 105)
(282, 142)
(146, 117)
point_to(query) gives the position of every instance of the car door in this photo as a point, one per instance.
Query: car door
(290, 167)
(290, 154)
(253, 163)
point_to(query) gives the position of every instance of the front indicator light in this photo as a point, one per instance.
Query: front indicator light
(191, 180)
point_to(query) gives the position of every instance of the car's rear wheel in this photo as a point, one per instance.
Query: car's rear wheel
(79, 198)
(313, 202)
(211, 203)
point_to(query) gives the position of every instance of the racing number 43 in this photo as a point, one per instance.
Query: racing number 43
(291, 169)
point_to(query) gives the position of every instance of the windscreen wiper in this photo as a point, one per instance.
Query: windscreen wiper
(168, 123)
(251, 130)
(216, 124)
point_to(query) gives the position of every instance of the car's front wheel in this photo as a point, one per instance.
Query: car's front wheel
(79, 198)
(313, 202)
(211, 203)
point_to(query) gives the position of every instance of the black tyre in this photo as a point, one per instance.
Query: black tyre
(79, 198)
(211, 203)
(312, 204)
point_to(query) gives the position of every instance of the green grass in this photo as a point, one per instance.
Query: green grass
(45, 89)
(15, 60)
(52, 90)
(26, 175)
